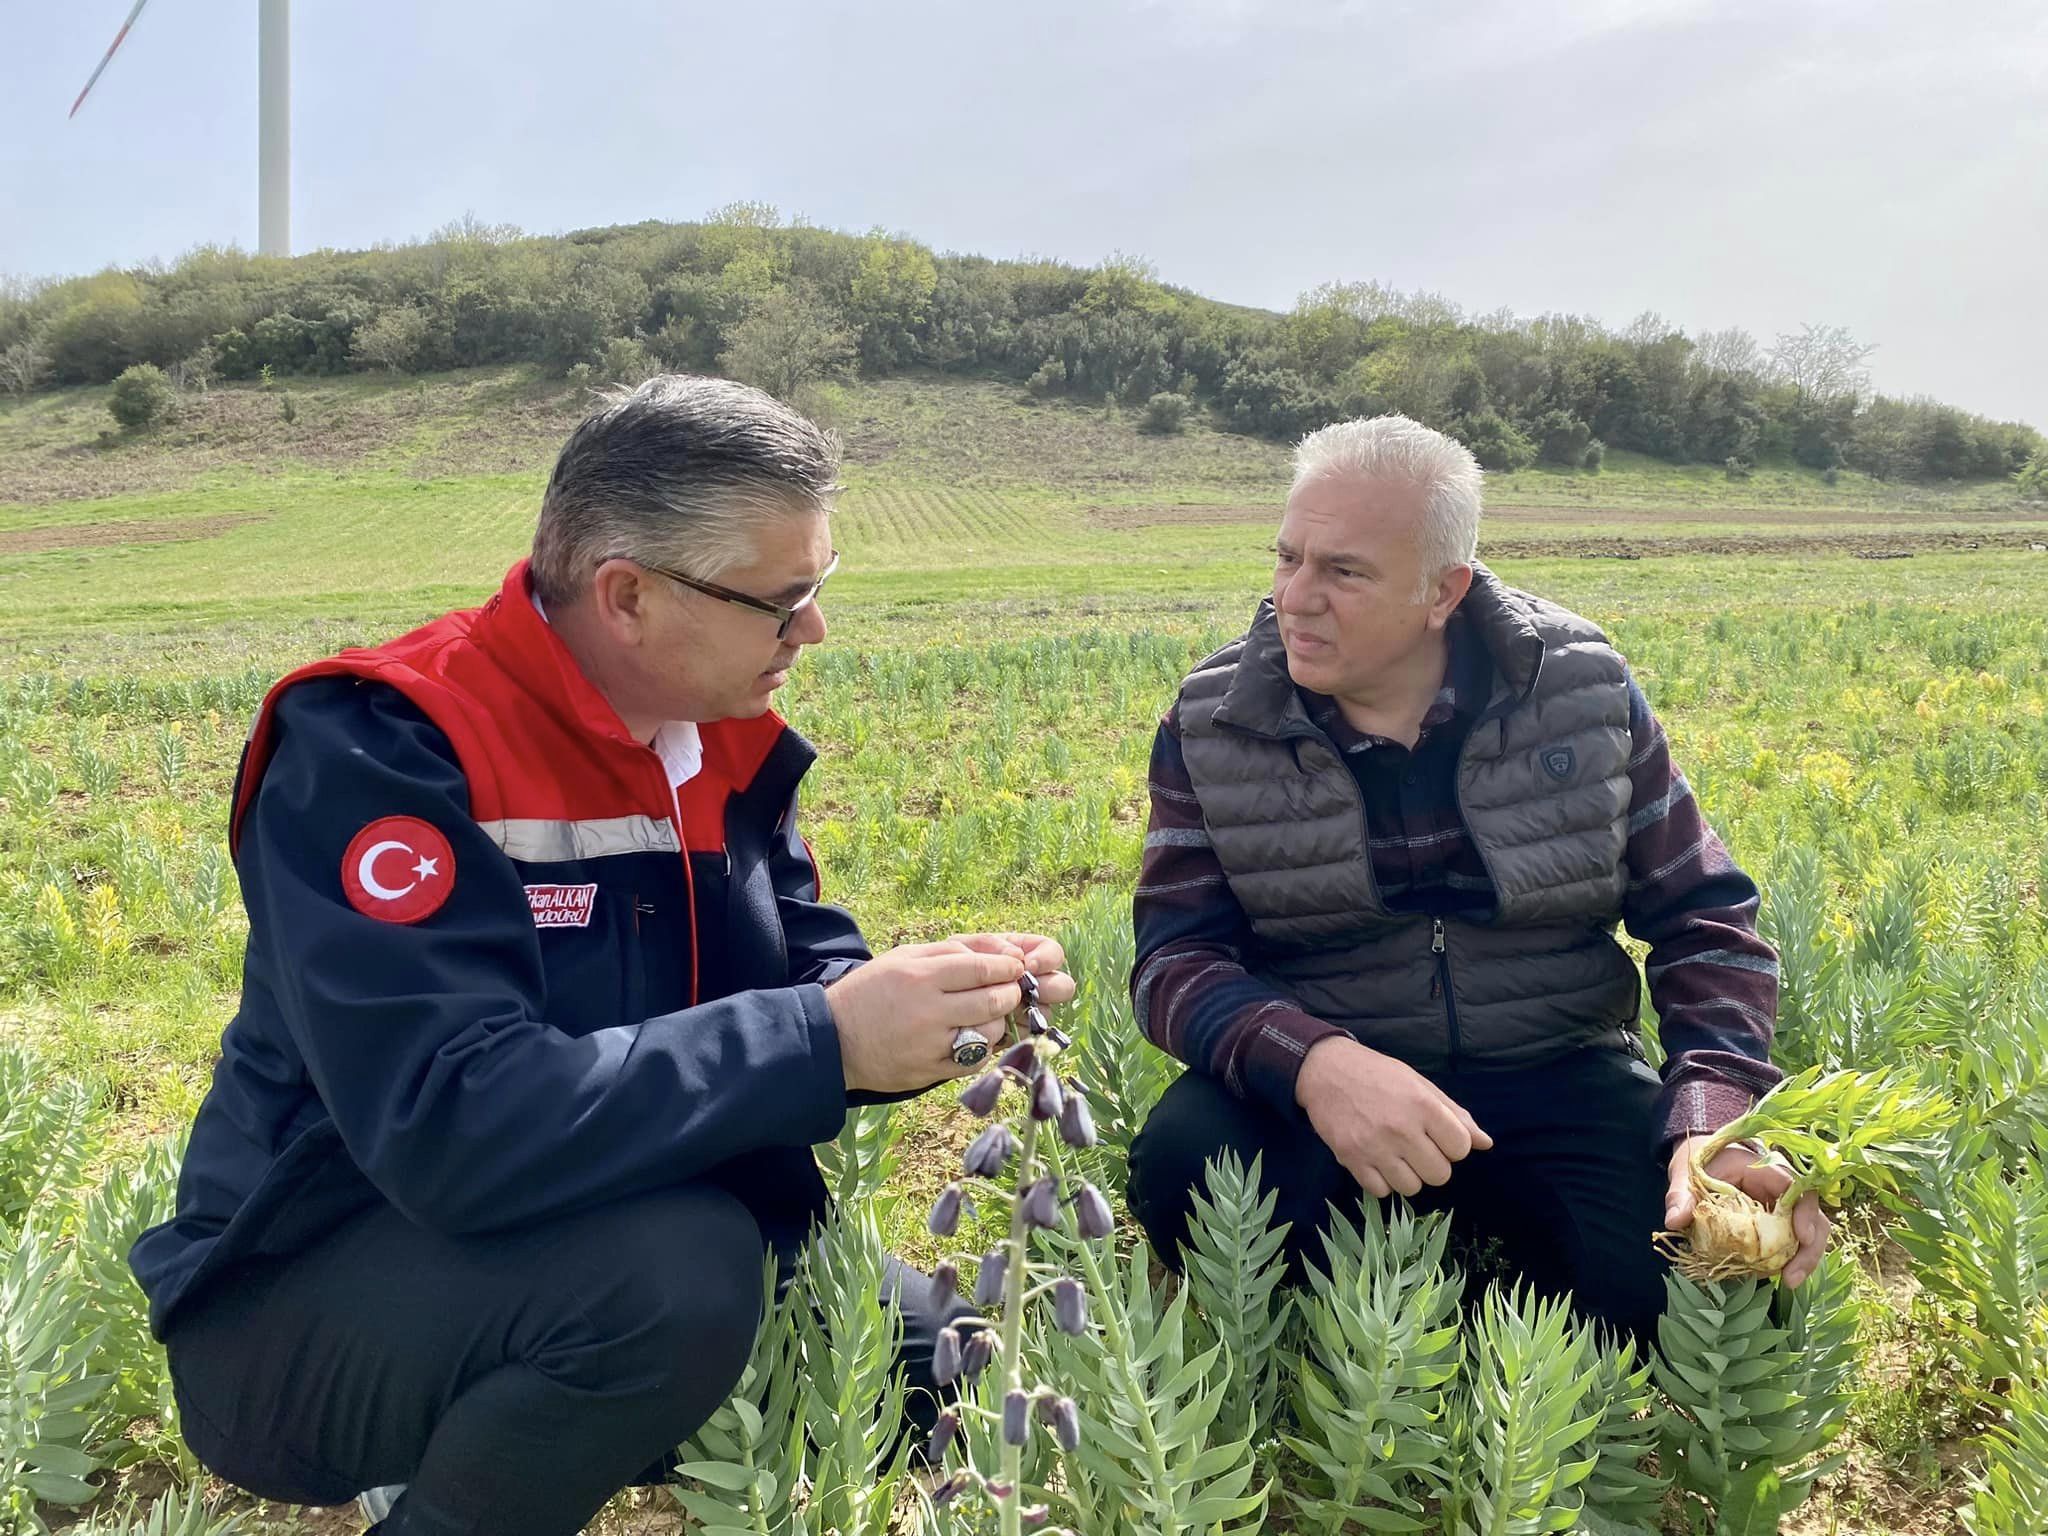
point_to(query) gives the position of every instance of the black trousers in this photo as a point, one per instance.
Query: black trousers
(514, 1381)
(1571, 1190)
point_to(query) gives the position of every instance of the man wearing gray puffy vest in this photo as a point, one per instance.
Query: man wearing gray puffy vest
(1394, 830)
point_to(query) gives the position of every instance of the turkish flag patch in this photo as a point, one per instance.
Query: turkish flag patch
(398, 869)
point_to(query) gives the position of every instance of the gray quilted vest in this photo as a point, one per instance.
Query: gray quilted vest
(1543, 788)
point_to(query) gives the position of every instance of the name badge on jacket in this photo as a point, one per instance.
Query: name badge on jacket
(561, 906)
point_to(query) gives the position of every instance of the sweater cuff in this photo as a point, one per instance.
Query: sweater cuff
(1700, 1106)
(1272, 1060)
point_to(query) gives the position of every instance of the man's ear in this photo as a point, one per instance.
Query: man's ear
(620, 593)
(1449, 591)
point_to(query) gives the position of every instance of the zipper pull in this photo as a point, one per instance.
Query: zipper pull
(1436, 938)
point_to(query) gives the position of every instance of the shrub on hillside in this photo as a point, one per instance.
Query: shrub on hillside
(2032, 478)
(23, 365)
(681, 344)
(579, 314)
(789, 339)
(1561, 438)
(627, 360)
(320, 340)
(1050, 378)
(393, 340)
(1280, 403)
(142, 397)
(197, 372)
(1166, 414)
(1495, 442)
(1594, 456)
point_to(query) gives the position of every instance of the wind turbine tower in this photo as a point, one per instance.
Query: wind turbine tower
(274, 122)
(273, 119)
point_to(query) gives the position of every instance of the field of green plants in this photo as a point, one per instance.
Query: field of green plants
(1871, 737)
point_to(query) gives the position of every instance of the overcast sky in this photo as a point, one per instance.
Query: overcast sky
(1879, 164)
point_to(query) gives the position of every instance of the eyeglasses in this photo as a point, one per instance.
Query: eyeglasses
(784, 616)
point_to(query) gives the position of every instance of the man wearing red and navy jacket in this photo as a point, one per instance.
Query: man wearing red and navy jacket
(542, 1009)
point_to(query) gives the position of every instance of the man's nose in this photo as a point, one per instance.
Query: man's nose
(1298, 593)
(809, 626)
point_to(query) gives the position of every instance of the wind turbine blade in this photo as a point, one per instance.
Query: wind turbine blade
(107, 57)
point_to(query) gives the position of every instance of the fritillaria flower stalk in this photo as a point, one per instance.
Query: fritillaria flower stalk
(1008, 1279)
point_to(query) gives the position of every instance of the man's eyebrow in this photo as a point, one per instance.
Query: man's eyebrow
(1336, 557)
(790, 592)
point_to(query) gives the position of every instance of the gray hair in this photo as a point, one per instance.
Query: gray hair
(1406, 452)
(680, 472)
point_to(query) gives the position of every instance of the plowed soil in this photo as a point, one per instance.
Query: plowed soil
(36, 541)
(1540, 532)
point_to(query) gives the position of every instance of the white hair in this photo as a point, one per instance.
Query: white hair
(1382, 448)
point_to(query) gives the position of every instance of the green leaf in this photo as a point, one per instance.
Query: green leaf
(1370, 1389)
(58, 1488)
(2010, 1496)
(1519, 1435)
(1846, 1129)
(1234, 1270)
(719, 1474)
(1596, 1523)
(1750, 1507)
(1152, 1438)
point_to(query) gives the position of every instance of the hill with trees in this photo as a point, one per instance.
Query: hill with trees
(787, 305)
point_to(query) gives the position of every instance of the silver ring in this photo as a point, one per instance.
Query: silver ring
(969, 1047)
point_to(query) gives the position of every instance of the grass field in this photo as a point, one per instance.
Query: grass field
(1022, 587)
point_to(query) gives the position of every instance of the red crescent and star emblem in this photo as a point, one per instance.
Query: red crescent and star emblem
(398, 869)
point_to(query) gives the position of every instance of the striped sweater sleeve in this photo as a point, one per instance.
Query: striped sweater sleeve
(1713, 978)
(1189, 987)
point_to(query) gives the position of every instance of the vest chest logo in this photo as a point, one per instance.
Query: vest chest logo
(1559, 762)
(561, 906)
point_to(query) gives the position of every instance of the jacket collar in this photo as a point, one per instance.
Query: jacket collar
(525, 646)
(1506, 622)
(1263, 699)
(509, 630)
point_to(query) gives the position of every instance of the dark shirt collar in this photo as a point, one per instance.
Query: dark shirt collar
(1467, 677)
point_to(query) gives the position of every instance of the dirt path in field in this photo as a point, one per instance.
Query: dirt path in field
(1765, 516)
(36, 541)
(1198, 515)
(1868, 544)
(487, 425)
(1550, 532)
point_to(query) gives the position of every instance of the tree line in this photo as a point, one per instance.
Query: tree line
(784, 304)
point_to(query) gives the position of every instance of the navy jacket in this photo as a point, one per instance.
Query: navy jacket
(557, 1030)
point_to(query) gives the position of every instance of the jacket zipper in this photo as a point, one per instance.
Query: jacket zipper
(1442, 986)
(1487, 715)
